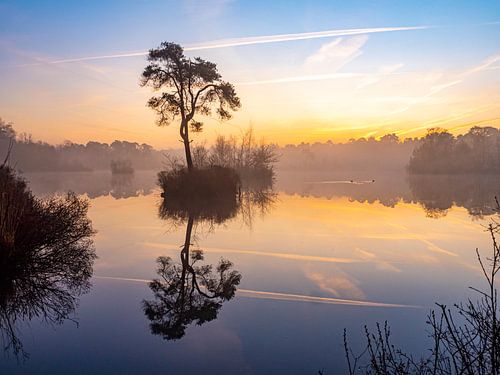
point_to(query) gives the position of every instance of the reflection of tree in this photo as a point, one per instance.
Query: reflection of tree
(221, 209)
(94, 184)
(214, 211)
(388, 189)
(438, 193)
(46, 257)
(188, 291)
(122, 186)
(254, 202)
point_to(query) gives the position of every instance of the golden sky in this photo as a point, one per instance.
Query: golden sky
(69, 74)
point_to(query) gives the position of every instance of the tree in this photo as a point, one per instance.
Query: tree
(191, 87)
(390, 138)
(6, 130)
(188, 292)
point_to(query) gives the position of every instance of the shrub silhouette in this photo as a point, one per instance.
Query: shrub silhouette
(207, 183)
(46, 256)
(466, 340)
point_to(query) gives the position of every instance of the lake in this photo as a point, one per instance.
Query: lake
(321, 253)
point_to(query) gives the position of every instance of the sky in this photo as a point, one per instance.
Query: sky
(305, 71)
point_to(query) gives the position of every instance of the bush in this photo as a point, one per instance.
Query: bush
(199, 184)
(465, 338)
(46, 255)
(250, 159)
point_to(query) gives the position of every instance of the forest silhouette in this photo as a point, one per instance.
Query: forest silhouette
(438, 152)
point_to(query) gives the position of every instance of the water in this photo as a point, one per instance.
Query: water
(329, 252)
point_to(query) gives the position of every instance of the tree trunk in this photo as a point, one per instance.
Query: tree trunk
(187, 149)
(187, 146)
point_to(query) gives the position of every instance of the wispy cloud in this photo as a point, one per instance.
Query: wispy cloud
(245, 41)
(337, 53)
(440, 122)
(484, 65)
(334, 56)
(298, 36)
(383, 71)
(302, 78)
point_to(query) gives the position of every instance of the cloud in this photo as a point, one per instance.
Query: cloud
(335, 54)
(458, 79)
(383, 71)
(302, 78)
(298, 36)
(329, 57)
(245, 41)
(365, 79)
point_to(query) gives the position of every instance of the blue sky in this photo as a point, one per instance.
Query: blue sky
(72, 100)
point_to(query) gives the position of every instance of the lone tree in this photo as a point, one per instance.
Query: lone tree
(189, 87)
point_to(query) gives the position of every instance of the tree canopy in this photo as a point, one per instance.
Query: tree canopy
(189, 87)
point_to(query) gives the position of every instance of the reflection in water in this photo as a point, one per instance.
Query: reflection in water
(93, 184)
(438, 193)
(122, 186)
(46, 257)
(180, 210)
(247, 205)
(308, 250)
(188, 291)
(45, 286)
(435, 193)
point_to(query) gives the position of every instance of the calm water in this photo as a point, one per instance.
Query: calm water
(329, 252)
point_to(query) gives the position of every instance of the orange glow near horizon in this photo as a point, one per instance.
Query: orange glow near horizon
(333, 92)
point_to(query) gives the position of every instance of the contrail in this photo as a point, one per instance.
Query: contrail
(297, 36)
(286, 296)
(245, 41)
(311, 77)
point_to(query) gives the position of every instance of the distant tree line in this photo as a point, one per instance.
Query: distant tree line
(388, 153)
(29, 155)
(439, 152)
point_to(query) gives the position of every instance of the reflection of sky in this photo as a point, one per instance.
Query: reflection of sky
(306, 246)
(333, 248)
